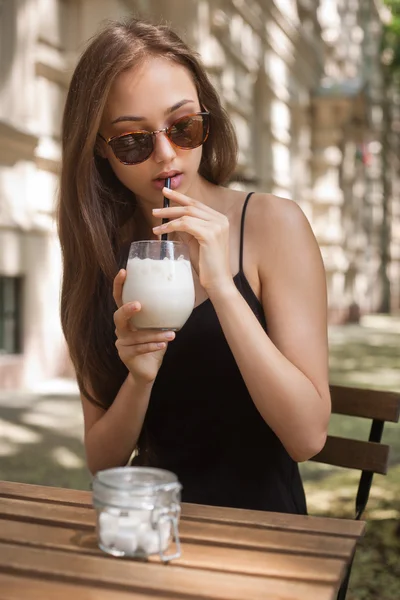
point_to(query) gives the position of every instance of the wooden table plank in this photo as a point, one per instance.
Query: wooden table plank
(46, 536)
(331, 526)
(279, 521)
(267, 539)
(43, 492)
(262, 563)
(13, 587)
(190, 531)
(37, 512)
(147, 577)
(204, 556)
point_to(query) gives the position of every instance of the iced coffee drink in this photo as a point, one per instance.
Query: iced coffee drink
(159, 276)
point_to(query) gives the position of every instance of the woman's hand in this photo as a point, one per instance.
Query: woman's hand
(205, 231)
(141, 351)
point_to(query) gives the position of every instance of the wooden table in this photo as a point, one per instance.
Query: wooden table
(48, 550)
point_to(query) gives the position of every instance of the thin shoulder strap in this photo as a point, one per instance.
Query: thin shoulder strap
(242, 230)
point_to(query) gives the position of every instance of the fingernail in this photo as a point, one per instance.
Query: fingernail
(134, 306)
(156, 210)
(156, 228)
(170, 335)
(161, 345)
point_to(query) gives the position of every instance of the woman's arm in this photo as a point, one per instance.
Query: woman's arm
(286, 371)
(111, 436)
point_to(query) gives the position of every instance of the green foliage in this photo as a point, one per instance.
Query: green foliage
(391, 38)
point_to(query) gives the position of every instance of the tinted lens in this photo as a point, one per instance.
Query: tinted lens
(132, 148)
(189, 132)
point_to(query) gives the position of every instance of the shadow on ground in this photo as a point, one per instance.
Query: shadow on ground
(41, 440)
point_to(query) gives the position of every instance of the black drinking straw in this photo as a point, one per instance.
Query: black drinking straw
(164, 236)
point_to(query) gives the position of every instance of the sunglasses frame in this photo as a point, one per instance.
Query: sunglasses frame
(153, 134)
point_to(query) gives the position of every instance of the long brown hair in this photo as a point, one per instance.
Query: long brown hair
(95, 209)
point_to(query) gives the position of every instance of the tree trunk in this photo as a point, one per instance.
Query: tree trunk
(385, 233)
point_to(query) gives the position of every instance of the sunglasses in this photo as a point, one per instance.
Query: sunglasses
(135, 147)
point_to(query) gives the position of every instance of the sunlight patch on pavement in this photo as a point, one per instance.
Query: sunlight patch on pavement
(59, 415)
(319, 500)
(345, 493)
(7, 448)
(382, 513)
(345, 363)
(381, 493)
(67, 459)
(18, 434)
(381, 340)
(379, 378)
(388, 323)
(57, 387)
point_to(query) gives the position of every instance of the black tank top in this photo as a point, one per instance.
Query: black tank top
(203, 425)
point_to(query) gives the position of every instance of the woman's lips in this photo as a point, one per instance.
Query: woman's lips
(176, 181)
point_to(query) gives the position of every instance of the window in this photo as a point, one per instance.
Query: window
(10, 315)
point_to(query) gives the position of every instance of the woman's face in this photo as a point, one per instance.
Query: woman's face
(149, 98)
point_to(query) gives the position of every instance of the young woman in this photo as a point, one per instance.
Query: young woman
(236, 398)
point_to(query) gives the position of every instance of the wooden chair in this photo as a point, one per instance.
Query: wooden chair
(370, 456)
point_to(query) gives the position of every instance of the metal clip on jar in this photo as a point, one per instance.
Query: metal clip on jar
(138, 509)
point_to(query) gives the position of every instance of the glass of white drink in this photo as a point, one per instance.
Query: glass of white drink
(159, 276)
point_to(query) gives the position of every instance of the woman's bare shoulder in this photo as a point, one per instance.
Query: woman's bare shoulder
(274, 217)
(265, 210)
(275, 226)
(275, 211)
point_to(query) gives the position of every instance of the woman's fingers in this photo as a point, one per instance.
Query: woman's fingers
(146, 336)
(118, 284)
(183, 200)
(201, 230)
(122, 317)
(138, 349)
(174, 212)
(143, 341)
(177, 197)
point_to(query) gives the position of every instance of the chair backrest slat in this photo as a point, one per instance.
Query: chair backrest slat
(371, 404)
(367, 457)
(354, 454)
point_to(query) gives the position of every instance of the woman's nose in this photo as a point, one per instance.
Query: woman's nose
(163, 149)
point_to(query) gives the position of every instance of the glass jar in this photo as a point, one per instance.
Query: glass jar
(138, 511)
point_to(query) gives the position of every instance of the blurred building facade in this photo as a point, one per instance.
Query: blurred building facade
(302, 81)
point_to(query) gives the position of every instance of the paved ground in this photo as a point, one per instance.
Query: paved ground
(41, 442)
(41, 435)
(365, 356)
(41, 430)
